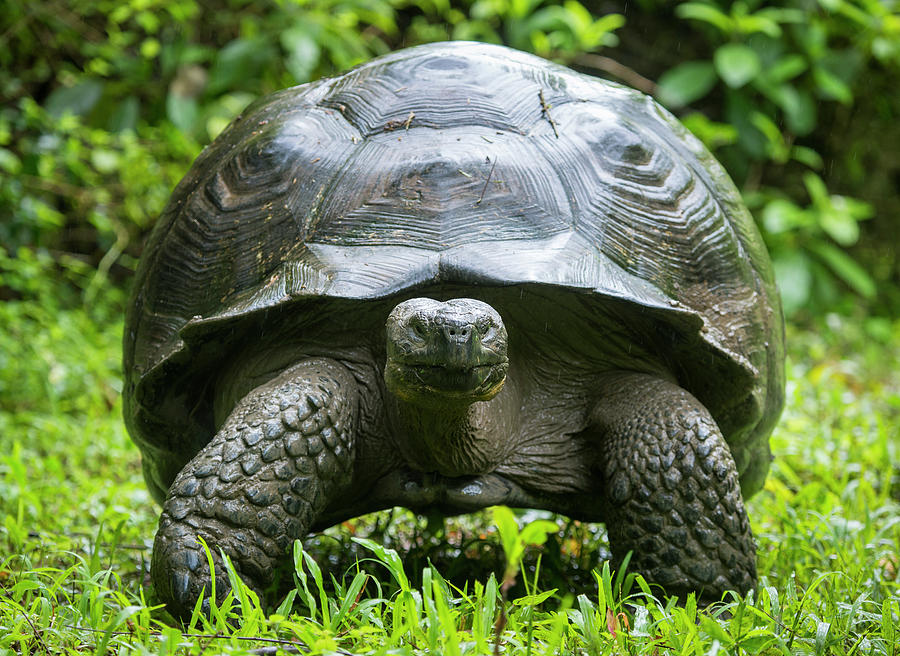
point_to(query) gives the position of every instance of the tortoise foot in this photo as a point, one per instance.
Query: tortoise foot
(672, 495)
(258, 485)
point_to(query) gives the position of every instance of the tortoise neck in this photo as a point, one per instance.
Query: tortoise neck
(455, 439)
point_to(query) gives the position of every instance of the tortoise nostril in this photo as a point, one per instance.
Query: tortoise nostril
(457, 333)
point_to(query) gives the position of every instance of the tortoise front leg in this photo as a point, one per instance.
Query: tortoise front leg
(259, 484)
(671, 491)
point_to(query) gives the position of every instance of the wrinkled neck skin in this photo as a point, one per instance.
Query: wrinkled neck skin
(456, 439)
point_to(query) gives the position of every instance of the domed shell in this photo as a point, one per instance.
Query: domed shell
(454, 164)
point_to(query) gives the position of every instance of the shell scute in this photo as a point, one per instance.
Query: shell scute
(414, 91)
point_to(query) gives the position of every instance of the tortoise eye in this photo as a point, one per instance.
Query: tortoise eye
(418, 326)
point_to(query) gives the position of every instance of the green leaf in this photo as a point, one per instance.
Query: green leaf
(807, 156)
(831, 86)
(685, 83)
(714, 630)
(446, 619)
(389, 558)
(316, 572)
(736, 64)
(302, 53)
(758, 641)
(508, 529)
(794, 275)
(712, 134)
(150, 48)
(886, 49)
(783, 15)
(284, 608)
(838, 216)
(238, 61)
(887, 622)
(776, 147)
(78, 99)
(707, 14)
(248, 599)
(815, 187)
(781, 216)
(786, 68)
(846, 268)
(588, 618)
(114, 624)
(822, 629)
(600, 31)
(44, 216)
(300, 573)
(536, 532)
(757, 23)
(356, 585)
(799, 110)
(839, 225)
(182, 111)
(738, 112)
(105, 160)
(10, 162)
(535, 599)
(20, 588)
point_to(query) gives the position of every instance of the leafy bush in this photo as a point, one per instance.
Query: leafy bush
(772, 79)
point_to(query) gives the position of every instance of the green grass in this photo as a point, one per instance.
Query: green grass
(77, 525)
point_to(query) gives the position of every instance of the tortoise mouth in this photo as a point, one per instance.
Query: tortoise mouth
(420, 382)
(462, 380)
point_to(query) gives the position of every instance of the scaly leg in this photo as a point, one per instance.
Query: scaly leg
(259, 484)
(671, 489)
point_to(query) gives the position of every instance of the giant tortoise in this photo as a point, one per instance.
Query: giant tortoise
(456, 276)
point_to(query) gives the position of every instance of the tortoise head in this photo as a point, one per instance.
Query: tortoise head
(450, 353)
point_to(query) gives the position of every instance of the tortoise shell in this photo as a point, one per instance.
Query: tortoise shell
(454, 164)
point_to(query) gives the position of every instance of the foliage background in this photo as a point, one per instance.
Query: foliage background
(106, 103)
